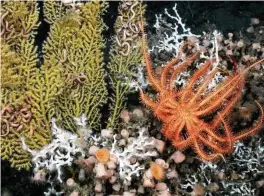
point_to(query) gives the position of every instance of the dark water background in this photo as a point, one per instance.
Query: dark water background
(226, 16)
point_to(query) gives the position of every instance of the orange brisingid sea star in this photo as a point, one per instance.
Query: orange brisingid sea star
(183, 110)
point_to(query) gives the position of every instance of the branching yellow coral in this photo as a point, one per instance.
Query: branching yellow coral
(53, 10)
(125, 56)
(26, 90)
(75, 46)
(18, 19)
(10, 66)
(71, 79)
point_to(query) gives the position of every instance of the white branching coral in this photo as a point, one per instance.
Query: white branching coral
(172, 42)
(52, 191)
(250, 159)
(81, 121)
(138, 80)
(247, 160)
(140, 148)
(71, 3)
(173, 35)
(240, 188)
(202, 176)
(60, 152)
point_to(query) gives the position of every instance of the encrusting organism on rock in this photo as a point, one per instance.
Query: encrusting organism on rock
(157, 171)
(102, 155)
(183, 110)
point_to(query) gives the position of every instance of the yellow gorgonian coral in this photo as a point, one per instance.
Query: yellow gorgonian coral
(75, 47)
(125, 56)
(26, 90)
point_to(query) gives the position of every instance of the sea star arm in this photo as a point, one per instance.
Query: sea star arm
(228, 132)
(231, 84)
(183, 144)
(172, 128)
(215, 147)
(203, 86)
(200, 72)
(210, 132)
(169, 65)
(218, 98)
(248, 132)
(182, 141)
(155, 83)
(146, 100)
(218, 146)
(226, 110)
(193, 140)
(227, 87)
(188, 61)
(163, 113)
(198, 147)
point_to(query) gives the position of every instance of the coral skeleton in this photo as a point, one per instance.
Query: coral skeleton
(254, 157)
(172, 42)
(240, 188)
(52, 191)
(60, 152)
(140, 148)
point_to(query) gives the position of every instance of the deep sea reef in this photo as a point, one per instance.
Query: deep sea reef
(132, 98)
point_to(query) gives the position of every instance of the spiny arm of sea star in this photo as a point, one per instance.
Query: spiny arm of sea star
(155, 83)
(200, 72)
(203, 86)
(183, 144)
(169, 65)
(239, 78)
(165, 72)
(180, 134)
(217, 145)
(196, 127)
(205, 156)
(183, 139)
(146, 100)
(228, 132)
(210, 132)
(226, 110)
(214, 146)
(194, 134)
(164, 115)
(248, 132)
(251, 66)
(227, 93)
(181, 67)
(171, 128)
(169, 103)
(228, 86)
